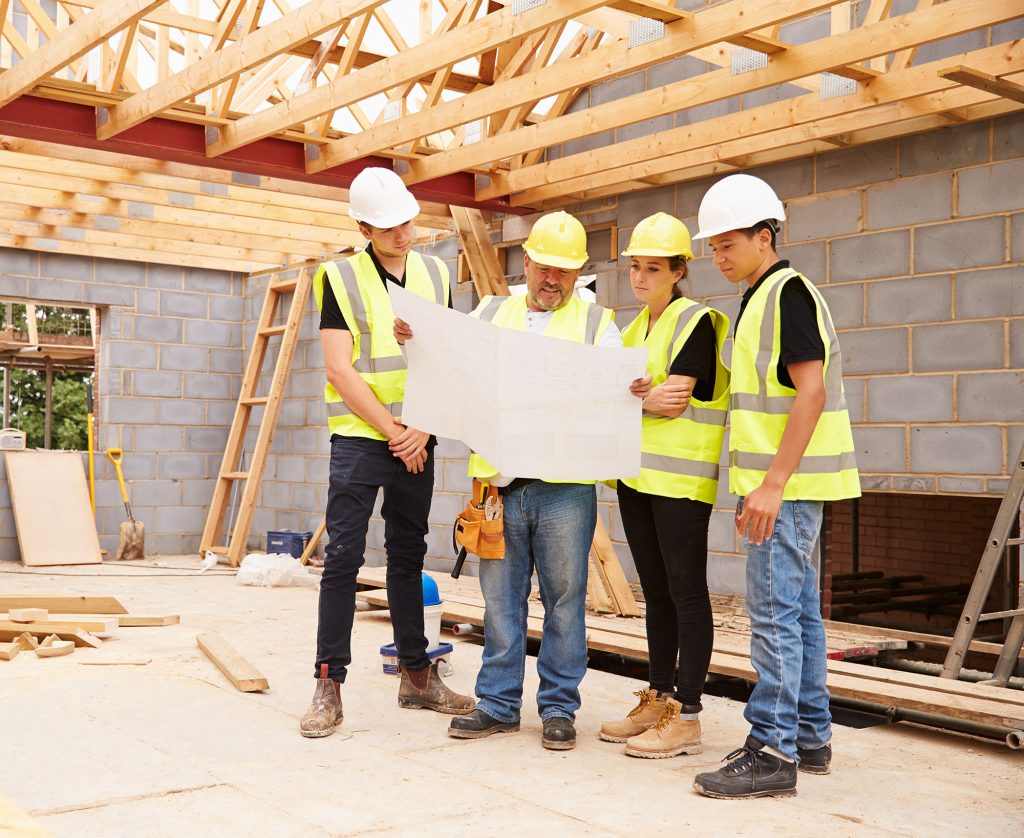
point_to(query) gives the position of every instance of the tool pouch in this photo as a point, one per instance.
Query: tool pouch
(473, 533)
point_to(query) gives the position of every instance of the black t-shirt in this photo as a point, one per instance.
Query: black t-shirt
(696, 358)
(330, 312)
(332, 318)
(800, 339)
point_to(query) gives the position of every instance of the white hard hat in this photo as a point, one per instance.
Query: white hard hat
(378, 197)
(738, 202)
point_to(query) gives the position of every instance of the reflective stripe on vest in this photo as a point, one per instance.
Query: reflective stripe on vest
(761, 405)
(567, 323)
(364, 302)
(680, 456)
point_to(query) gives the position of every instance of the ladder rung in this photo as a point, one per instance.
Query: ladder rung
(217, 548)
(255, 400)
(234, 475)
(283, 286)
(270, 331)
(1001, 615)
(1010, 542)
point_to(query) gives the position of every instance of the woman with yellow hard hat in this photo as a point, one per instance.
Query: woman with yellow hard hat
(667, 509)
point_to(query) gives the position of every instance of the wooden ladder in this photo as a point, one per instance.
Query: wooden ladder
(991, 560)
(298, 283)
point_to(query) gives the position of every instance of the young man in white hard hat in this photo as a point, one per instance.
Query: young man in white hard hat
(371, 450)
(790, 449)
(548, 526)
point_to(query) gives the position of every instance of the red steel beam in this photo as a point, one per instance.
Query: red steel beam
(74, 124)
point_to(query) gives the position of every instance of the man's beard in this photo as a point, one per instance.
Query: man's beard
(538, 303)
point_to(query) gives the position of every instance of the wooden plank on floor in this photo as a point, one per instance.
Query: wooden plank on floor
(238, 670)
(934, 683)
(840, 644)
(64, 604)
(937, 640)
(135, 620)
(27, 615)
(9, 631)
(100, 626)
(954, 699)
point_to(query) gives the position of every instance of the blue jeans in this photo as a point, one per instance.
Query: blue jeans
(548, 528)
(789, 705)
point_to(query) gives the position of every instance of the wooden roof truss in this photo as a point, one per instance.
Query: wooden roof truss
(455, 86)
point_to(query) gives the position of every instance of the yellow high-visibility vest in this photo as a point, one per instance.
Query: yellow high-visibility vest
(761, 405)
(679, 457)
(578, 320)
(376, 355)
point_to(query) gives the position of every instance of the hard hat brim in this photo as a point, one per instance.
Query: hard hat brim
(407, 212)
(717, 231)
(553, 261)
(650, 251)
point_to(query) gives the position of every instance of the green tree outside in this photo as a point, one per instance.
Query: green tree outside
(28, 386)
(68, 415)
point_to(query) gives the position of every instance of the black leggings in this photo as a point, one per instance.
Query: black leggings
(668, 538)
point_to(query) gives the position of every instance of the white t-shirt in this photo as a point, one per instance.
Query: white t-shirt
(537, 323)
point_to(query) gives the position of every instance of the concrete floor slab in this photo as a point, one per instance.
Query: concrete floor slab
(173, 748)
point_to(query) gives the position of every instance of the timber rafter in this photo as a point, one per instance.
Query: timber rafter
(449, 90)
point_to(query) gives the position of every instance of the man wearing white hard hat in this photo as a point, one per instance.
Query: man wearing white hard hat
(371, 450)
(790, 449)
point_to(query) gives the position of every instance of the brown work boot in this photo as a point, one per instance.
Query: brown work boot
(324, 713)
(641, 717)
(670, 736)
(423, 689)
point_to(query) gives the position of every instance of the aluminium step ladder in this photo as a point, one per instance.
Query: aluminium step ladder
(998, 542)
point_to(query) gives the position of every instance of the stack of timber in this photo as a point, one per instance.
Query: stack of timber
(54, 626)
(977, 703)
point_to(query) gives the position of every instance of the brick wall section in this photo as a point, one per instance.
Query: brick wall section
(940, 537)
(169, 371)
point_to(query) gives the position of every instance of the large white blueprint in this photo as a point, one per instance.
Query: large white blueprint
(531, 405)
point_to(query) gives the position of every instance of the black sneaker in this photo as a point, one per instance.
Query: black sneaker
(815, 760)
(478, 724)
(753, 772)
(559, 734)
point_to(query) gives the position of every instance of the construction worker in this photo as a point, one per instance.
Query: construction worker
(790, 449)
(549, 526)
(372, 450)
(667, 509)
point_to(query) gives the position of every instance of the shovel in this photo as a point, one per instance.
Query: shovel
(131, 542)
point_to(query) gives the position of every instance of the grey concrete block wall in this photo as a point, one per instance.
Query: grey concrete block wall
(151, 358)
(918, 245)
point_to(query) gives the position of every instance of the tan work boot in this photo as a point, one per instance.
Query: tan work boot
(423, 689)
(641, 717)
(324, 713)
(670, 736)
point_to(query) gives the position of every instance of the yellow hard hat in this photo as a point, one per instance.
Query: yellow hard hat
(660, 234)
(559, 240)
